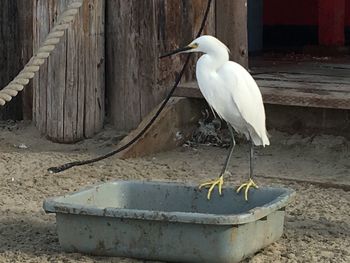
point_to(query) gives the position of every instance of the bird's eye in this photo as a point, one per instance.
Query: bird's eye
(193, 45)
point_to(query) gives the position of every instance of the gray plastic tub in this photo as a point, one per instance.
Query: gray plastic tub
(168, 221)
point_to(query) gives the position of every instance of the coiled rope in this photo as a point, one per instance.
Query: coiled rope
(33, 66)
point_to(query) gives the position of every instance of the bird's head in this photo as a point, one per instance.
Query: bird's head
(205, 44)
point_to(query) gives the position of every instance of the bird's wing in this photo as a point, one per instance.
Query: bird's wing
(247, 97)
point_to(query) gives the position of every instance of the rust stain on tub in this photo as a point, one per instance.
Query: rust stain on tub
(233, 237)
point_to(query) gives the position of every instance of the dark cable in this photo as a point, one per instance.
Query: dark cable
(66, 166)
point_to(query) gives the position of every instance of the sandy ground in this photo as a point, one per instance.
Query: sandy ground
(317, 227)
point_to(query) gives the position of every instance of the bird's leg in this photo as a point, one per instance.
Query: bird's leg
(251, 160)
(250, 182)
(220, 181)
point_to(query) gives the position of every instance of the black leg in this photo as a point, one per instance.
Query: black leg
(250, 183)
(251, 159)
(232, 146)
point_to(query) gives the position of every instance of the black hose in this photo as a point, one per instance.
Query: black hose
(66, 166)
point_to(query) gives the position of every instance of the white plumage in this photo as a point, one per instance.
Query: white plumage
(230, 90)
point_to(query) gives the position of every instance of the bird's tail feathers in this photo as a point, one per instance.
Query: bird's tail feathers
(265, 139)
(259, 138)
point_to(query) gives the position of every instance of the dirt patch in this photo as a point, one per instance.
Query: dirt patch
(317, 222)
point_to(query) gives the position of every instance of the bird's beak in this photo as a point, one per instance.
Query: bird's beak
(179, 50)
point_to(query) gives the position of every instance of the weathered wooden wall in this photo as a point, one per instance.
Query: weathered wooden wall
(69, 89)
(137, 33)
(231, 28)
(16, 35)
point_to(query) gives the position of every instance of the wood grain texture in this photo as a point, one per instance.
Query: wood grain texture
(327, 82)
(279, 93)
(173, 127)
(123, 77)
(231, 28)
(69, 89)
(137, 33)
(16, 35)
(317, 70)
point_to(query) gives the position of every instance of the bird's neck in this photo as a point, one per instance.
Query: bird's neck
(212, 61)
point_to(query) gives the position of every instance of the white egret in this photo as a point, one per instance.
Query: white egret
(232, 92)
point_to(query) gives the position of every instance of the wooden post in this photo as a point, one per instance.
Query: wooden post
(331, 17)
(137, 33)
(16, 27)
(174, 126)
(231, 28)
(69, 90)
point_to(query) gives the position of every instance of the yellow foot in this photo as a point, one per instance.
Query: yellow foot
(219, 182)
(247, 185)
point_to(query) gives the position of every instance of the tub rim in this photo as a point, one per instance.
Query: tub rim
(54, 205)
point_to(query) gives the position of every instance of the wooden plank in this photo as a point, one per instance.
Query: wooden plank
(99, 23)
(9, 56)
(25, 28)
(69, 94)
(301, 69)
(170, 19)
(335, 66)
(81, 85)
(16, 34)
(172, 128)
(296, 97)
(122, 67)
(93, 24)
(302, 80)
(278, 95)
(56, 79)
(89, 108)
(41, 99)
(178, 22)
(231, 28)
(138, 32)
(147, 41)
(93, 13)
(308, 87)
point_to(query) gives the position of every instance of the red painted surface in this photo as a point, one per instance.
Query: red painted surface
(331, 20)
(330, 15)
(296, 12)
(347, 12)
